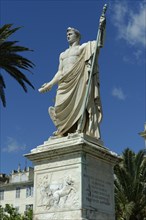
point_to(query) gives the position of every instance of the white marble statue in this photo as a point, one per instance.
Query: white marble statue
(72, 79)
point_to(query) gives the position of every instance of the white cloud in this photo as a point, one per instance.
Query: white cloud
(136, 55)
(118, 93)
(13, 146)
(127, 59)
(131, 25)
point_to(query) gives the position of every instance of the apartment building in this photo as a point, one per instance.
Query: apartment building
(17, 189)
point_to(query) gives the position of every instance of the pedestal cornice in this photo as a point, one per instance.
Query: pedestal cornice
(73, 143)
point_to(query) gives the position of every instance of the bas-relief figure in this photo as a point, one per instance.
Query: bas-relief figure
(56, 195)
(72, 79)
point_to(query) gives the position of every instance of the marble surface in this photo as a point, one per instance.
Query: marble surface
(77, 104)
(73, 179)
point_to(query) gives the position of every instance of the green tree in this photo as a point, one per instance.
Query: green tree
(130, 186)
(11, 62)
(28, 215)
(10, 213)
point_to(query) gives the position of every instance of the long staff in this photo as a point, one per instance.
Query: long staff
(98, 42)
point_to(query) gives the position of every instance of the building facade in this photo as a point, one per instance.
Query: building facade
(17, 189)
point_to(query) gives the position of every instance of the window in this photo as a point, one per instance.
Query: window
(1, 194)
(30, 206)
(18, 192)
(29, 191)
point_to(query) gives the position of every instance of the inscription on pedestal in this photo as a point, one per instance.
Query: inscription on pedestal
(98, 191)
(98, 187)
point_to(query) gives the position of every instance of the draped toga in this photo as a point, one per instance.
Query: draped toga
(70, 97)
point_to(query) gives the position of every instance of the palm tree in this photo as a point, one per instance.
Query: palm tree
(130, 186)
(11, 62)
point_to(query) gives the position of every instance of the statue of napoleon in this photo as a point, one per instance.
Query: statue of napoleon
(77, 110)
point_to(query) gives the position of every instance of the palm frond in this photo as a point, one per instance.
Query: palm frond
(12, 62)
(138, 163)
(130, 186)
(2, 93)
(6, 31)
(18, 76)
(128, 161)
(15, 60)
(9, 46)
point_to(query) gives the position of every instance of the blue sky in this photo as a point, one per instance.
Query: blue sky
(25, 122)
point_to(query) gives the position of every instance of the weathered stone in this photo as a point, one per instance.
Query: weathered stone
(73, 179)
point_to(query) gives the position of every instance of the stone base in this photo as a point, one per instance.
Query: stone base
(73, 179)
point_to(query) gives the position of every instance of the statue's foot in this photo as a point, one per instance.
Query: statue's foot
(78, 131)
(56, 134)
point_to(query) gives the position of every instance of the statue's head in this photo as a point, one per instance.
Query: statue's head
(75, 31)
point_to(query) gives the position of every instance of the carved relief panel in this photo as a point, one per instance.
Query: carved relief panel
(57, 190)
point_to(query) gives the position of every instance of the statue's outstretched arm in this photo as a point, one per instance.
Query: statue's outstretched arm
(47, 86)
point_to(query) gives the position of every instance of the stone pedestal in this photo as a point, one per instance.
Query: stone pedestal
(73, 179)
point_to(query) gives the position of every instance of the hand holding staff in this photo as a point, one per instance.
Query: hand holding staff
(99, 43)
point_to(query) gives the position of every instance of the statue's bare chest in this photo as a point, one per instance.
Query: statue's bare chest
(71, 52)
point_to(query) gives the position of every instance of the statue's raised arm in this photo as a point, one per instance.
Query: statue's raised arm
(93, 78)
